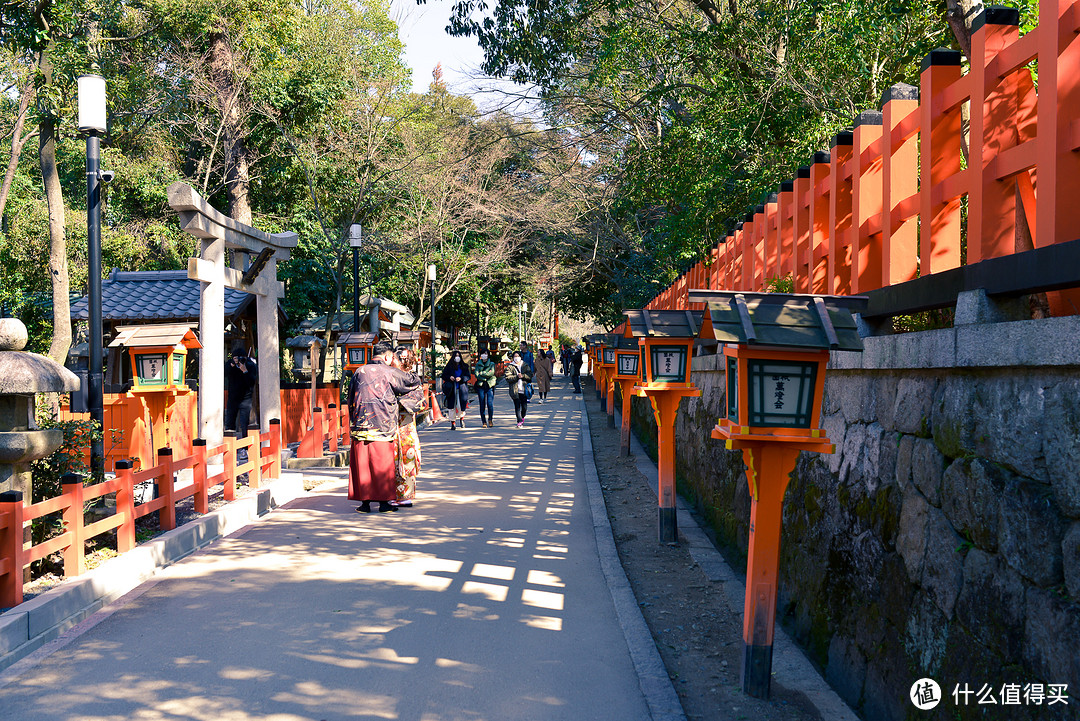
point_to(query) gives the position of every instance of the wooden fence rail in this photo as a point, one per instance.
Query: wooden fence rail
(264, 462)
(884, 205)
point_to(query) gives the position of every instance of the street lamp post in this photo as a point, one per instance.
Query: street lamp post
(431, 274)
(524, 321)
(354, 243)
(92, 121)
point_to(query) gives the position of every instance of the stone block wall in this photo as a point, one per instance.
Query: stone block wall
(942, 538)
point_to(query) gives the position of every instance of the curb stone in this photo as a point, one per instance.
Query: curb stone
(664, 704)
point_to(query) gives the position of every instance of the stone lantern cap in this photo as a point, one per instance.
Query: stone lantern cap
(302, 341)
(24, 373)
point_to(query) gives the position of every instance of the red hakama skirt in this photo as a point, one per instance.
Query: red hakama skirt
(372, 470)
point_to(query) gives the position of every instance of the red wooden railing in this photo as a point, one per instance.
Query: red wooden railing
(884, 205)
(329, 429)
(264, 461)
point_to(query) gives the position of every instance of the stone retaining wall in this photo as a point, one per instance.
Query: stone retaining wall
(942, 539)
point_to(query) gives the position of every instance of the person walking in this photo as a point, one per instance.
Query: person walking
(486, 380)
(373, 418)
(545, 369)
(407, 444)
(575, 369)
(455, 378)
(564, 360)
(241, 372)
(517, 376)
(527, 356)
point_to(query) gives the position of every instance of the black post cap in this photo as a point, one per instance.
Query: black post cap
(868, 117)
(229, 434)
(275, 421)
(71, 478)
(11, 497)
(995, 15)
(787, 186)
(126, 465)
(772, 198)
(900, 91)
(198, 442)
(941, 56)
(844, 137)
(332, 405)
(803, 172)
(164, 451)
(822, 156)
(749, 218)
(759, 209)
(316, 410)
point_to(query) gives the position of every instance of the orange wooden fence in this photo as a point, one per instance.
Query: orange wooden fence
(329, 429)
(264, 461)
(884, 205)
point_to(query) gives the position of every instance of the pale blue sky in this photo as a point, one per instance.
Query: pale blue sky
(421, 28)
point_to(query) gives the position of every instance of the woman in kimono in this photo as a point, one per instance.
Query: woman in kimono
(407, 451)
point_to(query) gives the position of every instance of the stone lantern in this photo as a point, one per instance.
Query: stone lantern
(22, 375)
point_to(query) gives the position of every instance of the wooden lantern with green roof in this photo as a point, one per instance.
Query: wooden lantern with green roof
(158, 354)
(775, 348)
(357, 348)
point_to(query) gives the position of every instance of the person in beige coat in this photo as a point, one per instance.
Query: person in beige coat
(545, 369)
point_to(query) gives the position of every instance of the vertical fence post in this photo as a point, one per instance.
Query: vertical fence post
(74, 554)
(275, 447)
(198, 474)
(900, 169)
(11, 548)
(866, 205)
(820, 192)
(228, 487)
(941, 151)
(773, 256)
(991, 202)
(125, 504)
(801, 229)
(167, 489)
(333, 417)
(785, 230)
(839, 263)
(255, 457)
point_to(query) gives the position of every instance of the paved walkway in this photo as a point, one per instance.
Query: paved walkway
(486, 601)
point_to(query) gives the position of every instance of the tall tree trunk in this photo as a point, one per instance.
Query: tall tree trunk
(225, 77)
(54, 196)
(18, 140)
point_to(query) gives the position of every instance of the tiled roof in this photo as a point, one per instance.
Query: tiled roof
(154, 295)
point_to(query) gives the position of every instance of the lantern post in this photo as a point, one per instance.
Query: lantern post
(775, 348)
(627, 361)
(607, 367)
(666, 341)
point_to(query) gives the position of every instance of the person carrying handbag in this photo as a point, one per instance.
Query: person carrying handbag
(518, 375)
(455, 378)
(486, 380)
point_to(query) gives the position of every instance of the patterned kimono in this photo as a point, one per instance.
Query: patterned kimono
(407, 445)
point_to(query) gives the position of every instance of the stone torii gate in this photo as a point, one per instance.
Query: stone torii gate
(255, 255)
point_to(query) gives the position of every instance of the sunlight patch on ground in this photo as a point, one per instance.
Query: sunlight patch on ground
(474, 613)
(544, 623)
(542, 599)
(489, 590)
(487, 570)
(544, 578)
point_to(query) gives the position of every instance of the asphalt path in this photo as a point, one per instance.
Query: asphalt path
(484, 602)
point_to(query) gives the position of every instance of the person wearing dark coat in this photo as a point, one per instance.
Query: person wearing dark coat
(374, 395)
(455, 378)
(576, 360)
(517, 375)
(241, 372)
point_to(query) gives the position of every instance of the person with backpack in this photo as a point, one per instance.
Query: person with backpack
(576, 360)
(518, 375)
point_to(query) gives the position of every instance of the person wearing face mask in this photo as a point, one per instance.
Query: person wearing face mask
(407, 448)
(455, 377)
(486, 380)
(518, 374)
(544, 370)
